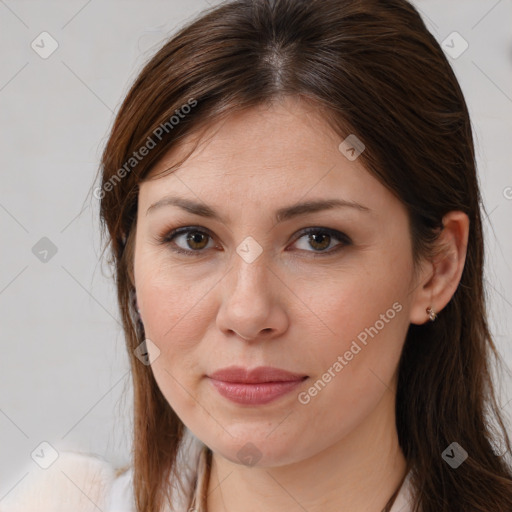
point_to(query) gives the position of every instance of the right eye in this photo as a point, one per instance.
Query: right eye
(193, 240)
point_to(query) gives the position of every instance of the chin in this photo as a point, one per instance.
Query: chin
(256, 450)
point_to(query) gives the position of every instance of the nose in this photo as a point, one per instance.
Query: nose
(252, 302)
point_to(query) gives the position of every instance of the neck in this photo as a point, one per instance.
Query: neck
(359, 473)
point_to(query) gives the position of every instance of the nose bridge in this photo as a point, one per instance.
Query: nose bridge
(251, 262)
(249, 280)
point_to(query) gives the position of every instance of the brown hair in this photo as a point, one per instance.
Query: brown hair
(376, 71)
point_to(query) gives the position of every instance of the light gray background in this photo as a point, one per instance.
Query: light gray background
(63, 366)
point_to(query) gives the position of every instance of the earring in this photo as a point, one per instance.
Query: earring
(431, 314)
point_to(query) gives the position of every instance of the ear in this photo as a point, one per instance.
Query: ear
(439, 277)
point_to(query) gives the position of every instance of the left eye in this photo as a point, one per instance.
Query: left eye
(196, 240)
(321, 238)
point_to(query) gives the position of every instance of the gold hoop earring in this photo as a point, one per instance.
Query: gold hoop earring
(431, 314)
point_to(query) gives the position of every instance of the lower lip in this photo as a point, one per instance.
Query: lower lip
(254, 394)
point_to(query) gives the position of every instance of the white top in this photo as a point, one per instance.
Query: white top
(86, 483)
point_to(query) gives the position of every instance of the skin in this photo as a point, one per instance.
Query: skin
(287, 309)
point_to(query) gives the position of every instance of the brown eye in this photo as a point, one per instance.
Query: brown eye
(187, 240)
(320, 239)
(197, 239)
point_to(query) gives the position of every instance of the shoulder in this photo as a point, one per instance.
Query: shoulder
(75, 481)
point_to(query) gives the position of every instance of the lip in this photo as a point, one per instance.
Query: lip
(260, 385)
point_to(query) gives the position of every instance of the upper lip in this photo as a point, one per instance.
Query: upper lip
(256, 375)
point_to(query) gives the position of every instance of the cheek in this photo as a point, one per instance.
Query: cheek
(359, 302)
(352, 371)
(174, 319)
(173, 310)
(172, 300)
(365, 319)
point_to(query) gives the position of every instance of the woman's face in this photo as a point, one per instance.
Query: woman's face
(252, 288)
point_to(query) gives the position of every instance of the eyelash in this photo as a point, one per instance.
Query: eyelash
(338, 235)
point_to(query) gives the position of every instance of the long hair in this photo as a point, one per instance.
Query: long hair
(375, 71)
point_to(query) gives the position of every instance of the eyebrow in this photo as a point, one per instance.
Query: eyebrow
(286, 213)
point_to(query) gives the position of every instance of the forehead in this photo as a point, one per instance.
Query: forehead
(280, 131)
(276, 153)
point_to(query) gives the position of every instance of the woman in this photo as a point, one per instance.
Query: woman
(292, 208)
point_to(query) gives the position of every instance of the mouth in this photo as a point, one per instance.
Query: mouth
(255, 387)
